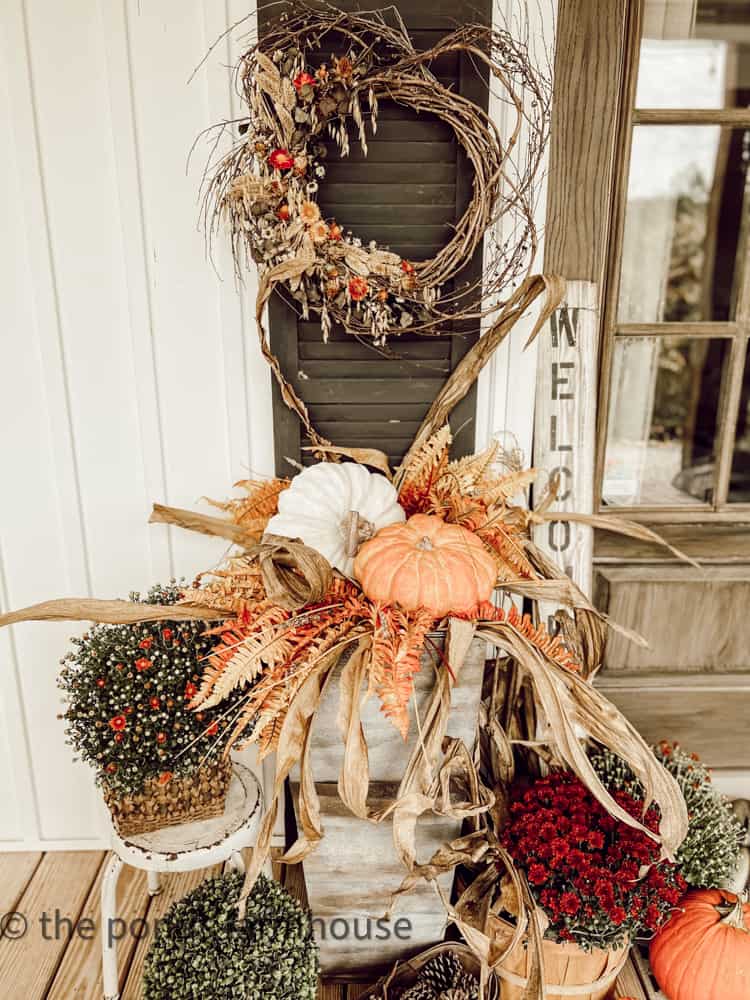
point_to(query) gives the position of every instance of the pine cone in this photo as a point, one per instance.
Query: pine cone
(469, 985)
(442, 972)
(420, 991)
(466, 988)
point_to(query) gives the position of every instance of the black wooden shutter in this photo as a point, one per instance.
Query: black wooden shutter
(413, 184)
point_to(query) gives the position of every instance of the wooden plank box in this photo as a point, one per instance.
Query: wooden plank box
(354, 871)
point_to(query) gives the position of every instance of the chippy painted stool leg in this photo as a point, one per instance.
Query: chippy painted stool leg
(268, 781)
(110, 975)
(154, 883)
(237, 862)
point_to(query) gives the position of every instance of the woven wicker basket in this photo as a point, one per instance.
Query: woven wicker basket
(404, 974)
(182, 800)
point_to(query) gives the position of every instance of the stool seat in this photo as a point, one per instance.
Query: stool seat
(183, 848)
(189, 846)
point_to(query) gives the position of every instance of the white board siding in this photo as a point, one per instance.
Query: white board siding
(129, 368)
(506, 388)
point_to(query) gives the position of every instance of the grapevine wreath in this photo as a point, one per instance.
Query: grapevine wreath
(265, 190)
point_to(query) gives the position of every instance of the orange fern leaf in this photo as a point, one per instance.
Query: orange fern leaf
(254, 511)
(552, 646)
(398, 641)
(424, 471)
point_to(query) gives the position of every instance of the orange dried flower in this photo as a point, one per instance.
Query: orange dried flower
(335, 231)
(343, 67)
(319, 231)
(164, 778)
(309, 212)
(283, 212)
(358, 288)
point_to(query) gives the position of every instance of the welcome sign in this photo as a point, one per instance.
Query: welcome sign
(565, 430)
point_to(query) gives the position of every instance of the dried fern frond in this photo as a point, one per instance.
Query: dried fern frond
(261, 503)
(508, 550)
(508, 486)
(424, 470)
(398, 641)
(244, 651)
(236, 588)
(268, 741)
(552, 646)
(467, 472)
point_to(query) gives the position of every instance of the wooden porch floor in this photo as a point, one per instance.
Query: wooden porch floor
(59, 891)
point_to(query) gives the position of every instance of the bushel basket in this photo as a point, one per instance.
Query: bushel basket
(569, 971)
(188, 799)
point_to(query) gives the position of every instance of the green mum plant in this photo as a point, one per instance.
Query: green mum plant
(710, 852)
(127, 690)
(200, 950)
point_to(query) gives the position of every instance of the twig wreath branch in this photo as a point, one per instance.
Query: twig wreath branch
(265, 189)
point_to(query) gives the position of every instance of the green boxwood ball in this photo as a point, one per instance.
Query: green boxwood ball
(201, 951)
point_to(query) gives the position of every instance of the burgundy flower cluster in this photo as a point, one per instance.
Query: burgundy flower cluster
(599, 880)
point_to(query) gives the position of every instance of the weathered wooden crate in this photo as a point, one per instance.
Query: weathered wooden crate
(354, 871)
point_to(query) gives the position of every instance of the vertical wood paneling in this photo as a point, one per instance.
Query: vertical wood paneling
(41, 520)
(167, 39)
(506, 387)
(128, 367)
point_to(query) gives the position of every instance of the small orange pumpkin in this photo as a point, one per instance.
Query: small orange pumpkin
(703, 952)
(426, 563)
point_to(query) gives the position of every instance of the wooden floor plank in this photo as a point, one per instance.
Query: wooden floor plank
(58, 891)
(358, 990)
(331, 991)
(629, 983)
(80, 973)
(16, 871)
(174, 888)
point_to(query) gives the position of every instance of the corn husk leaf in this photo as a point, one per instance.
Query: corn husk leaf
(365, 456)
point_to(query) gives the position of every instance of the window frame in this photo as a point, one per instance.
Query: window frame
(736, 332)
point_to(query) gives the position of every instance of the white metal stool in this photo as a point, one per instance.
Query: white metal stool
(183, 848)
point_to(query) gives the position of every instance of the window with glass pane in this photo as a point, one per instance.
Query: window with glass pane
(694, 55)
(664, 403)
(682, 223)
(678, 408)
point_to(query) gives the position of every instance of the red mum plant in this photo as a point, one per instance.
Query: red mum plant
(281, 159)
(599, 880)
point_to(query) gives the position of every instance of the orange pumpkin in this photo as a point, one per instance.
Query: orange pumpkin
(426, 563)
(703, 952)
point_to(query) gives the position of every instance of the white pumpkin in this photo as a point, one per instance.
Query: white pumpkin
(334, 508)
